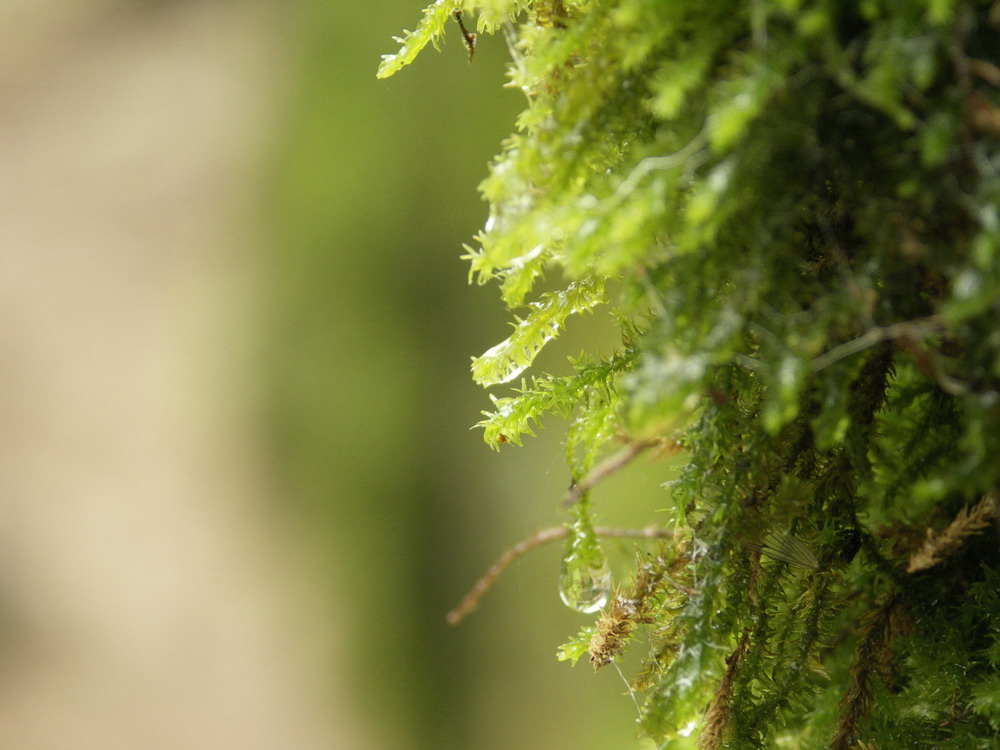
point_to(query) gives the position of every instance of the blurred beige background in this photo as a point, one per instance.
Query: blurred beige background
(238, 490)
(134, 613)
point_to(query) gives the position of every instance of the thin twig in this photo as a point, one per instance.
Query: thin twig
(653, 163)
(680, 586)
(522, 548)
(470, 38)
(941, 545)
(919, 329)
(611, 465)
(872, 658)
(718, 715)
(985, 70)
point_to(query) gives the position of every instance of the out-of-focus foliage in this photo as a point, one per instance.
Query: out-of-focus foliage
(796, 204)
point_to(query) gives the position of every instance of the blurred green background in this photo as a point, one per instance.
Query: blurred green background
(238, 331)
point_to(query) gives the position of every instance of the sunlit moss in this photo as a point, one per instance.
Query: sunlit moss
(798, 204)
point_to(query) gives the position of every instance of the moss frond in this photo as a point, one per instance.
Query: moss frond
(791, 210)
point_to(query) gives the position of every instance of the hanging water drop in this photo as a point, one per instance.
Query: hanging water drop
(583, 588)
(585, 578)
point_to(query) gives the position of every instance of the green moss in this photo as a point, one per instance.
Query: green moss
(796, 203)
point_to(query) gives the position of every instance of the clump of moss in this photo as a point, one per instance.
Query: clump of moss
(791, 209)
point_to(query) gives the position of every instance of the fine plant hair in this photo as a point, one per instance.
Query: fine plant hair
(790, 209)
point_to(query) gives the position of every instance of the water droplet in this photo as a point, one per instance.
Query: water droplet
(583, 588)
(584, 579)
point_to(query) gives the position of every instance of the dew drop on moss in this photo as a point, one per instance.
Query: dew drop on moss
(584, 577)
(583, 588)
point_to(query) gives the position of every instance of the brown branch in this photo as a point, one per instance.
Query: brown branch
(632, 607)
(942, 544)
(470, 38)
(679, 586)
(985, 70)
(717, 716)
(613, 464)
(872, 658)
(980, 114)
(519, 550)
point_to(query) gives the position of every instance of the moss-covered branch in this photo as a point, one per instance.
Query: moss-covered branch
(791, 209)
